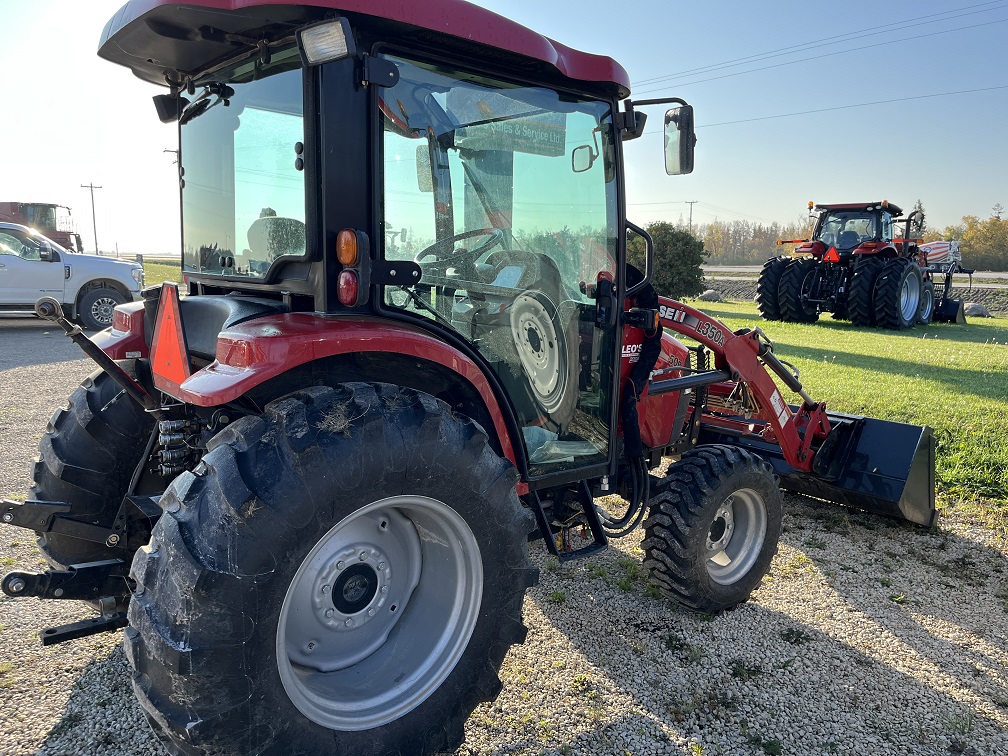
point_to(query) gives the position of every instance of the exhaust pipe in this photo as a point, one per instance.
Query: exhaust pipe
(874, 465)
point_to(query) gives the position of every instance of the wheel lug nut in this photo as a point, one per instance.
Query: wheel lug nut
(339, 565)
(370, 612)
(384, 589)
(329, 612)
(363, 555)
(381, 565)
(325, 589)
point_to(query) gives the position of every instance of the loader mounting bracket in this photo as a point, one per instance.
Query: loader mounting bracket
(48, 517)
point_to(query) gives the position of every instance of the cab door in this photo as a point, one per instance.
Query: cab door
(24, 276)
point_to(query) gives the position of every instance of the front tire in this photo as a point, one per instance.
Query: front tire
(97, 307)
(343, 574)
(711, 534)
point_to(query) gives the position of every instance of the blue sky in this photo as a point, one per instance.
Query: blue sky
(72, 118)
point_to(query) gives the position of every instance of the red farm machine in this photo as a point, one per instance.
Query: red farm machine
(52, 221)
(305, 480)
(858, 269)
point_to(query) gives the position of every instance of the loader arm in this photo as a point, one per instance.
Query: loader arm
(746, 356)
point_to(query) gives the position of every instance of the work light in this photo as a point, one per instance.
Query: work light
(326, 41)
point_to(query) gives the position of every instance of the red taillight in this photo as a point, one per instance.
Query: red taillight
(121, 321)
(347, 288)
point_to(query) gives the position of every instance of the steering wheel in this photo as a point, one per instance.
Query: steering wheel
(444, 253)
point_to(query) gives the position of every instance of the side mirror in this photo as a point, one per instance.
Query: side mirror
(45, 252)
(425, 182)
(583, 158)
(679, 141)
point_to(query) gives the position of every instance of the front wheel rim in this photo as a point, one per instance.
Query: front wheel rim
(910, 298)
(379, 613)
(103, 309)
(736, 536)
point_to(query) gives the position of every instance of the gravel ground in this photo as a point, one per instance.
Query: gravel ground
(868, 637)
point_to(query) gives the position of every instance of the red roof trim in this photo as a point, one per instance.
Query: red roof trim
(453, 17)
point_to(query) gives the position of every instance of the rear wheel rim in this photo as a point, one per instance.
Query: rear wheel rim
(927, 304)
(910, 298)
(379, 613)
(736, 536)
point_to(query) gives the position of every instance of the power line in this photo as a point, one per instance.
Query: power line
(649, 90)
(846, 107)
(836, 39)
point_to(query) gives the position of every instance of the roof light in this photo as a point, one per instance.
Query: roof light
(346, 247)
(326, 41)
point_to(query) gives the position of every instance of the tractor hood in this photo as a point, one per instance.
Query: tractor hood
(161, 40)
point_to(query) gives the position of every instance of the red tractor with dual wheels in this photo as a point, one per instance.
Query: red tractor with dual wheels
(304, 480)
(858, 269)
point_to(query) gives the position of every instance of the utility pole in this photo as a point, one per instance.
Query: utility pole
(691, 203)
(94, 223)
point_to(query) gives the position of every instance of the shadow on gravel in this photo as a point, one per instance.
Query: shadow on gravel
(102, 714)
(867, 637)
(29, 341)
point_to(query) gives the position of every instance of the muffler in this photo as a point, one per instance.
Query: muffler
(874, 465)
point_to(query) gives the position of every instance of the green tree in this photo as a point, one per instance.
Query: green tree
(678, 257)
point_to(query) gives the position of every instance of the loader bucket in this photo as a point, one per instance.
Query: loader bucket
(950, 311)
(874, 465)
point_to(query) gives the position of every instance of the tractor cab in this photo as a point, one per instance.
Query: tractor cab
(845, 230)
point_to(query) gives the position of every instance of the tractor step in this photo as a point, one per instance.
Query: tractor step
(591, 519)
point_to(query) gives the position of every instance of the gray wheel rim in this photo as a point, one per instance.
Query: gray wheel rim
(736, 536)
(910, 298)
(927, 303)
(540, 349)
(103, 310)
(379, 613)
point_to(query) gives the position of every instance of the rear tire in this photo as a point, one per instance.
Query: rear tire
(926, 312)
(767, 285)
(260, 623)
(898, 294)
(795, 285)
(86, 459)
(861, 294)
(710, 536)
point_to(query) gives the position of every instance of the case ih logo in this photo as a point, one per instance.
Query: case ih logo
(670, 313)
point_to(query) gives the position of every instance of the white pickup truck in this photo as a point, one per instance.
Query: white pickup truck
(89, 286)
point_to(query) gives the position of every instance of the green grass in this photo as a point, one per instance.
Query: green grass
(157, 272)
(953, 378)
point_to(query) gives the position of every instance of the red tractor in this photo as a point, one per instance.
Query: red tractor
(305, 483)
(52, 221)
(855, 267)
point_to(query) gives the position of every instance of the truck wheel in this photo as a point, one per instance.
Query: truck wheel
(926, 312)
(795, 285)
(342, 574)
(711, 534)
(861, 294)
(86, 459)
(96, 307)
(898, 294)
(767, 285)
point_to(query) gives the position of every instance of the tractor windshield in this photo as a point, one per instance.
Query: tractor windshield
(506, 197)
(243, 200)
(846, 229)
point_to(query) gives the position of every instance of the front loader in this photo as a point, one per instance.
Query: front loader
(407, 339)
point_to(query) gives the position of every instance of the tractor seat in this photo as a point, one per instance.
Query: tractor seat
(848, 240)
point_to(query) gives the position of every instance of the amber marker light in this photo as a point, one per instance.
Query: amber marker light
(346, 247)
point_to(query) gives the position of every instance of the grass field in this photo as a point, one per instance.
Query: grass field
(951, 377)
(157, 272)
